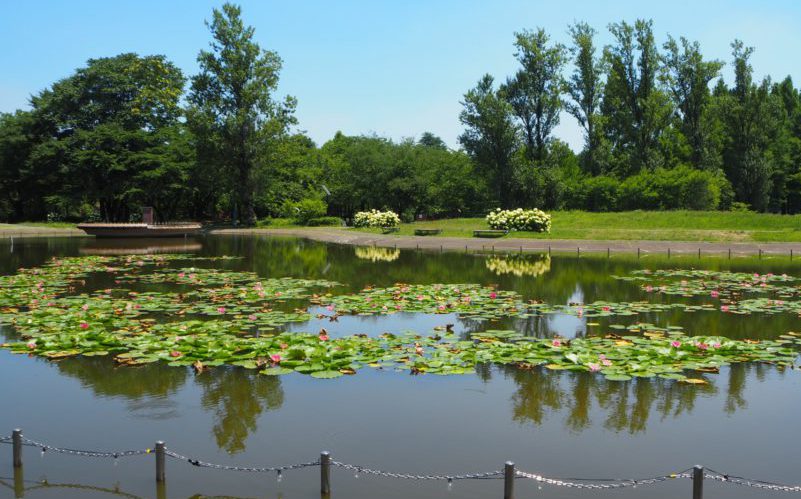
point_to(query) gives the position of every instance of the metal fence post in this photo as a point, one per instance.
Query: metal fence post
(16, 440)
(509, 480)
(160, 461)
(698, 482)
(325, 472)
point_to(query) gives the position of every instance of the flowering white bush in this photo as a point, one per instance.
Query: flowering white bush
(528, 220)
(375, 218)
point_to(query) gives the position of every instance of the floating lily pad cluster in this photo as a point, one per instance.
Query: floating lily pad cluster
(212, 317)
(715, 284)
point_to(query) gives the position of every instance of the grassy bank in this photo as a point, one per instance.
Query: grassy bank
(712, 226)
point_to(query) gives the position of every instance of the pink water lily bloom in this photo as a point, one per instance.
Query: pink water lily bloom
(330, 308)
(175, 353)
(594, 367)
(675, 344)
(284, 346)
(715, 345)
(493, 295)
(606, 362)
(419, 297)
(556, 343)
(221, 310)
(252, 317)
(85, 307)
(441, 308)
(702, 346)
(714, 294)
(181, 274)
(31, 345)
(84, 325)
(275, 358)
(323, 337)
(605, 309)
(724, 308)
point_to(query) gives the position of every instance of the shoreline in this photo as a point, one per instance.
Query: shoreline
(511, 244)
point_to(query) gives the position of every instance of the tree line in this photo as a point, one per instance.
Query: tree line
(662, 130)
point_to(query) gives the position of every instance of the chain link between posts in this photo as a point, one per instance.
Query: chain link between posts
(575, 483)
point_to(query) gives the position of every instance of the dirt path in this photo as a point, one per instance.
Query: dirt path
(508, 244)
(11, 230)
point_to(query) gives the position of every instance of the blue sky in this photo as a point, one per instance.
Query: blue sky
(394, 68)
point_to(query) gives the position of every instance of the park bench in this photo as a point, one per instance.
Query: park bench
(388, 230)
(427, 232)
(489, 233)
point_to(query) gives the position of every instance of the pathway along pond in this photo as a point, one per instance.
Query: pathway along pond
(574, 419)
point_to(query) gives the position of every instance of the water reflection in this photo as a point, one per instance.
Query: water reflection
(519, 265)
(624, 406)
(136, 246)
(147, 389)
(237, 398)
(377, 254)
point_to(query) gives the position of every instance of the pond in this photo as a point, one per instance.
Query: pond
(577, 417)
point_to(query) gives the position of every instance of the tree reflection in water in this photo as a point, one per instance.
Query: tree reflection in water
(626, 406)
(147, 388)
(237, 397)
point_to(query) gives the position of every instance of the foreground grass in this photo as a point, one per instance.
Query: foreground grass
(712, 226)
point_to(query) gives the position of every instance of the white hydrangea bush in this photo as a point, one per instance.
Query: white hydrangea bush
(533, 220)
(376, 218)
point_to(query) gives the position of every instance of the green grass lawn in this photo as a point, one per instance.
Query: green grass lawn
(640, 225)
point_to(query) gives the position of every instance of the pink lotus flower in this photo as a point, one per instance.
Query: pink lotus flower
(702, 346)
(31, 345)
(605, 309)
(85, 307)
(330, 308)
(84, 325)
(284, 346)
(252, 317)
(556, 343)
(181, 274)
(675, 344)
(714, 294)
(175, 353)
(715, 345)
(724, 308)
(441, 308)
(606, 362)
(493, 295)
(419, 297)
(648, 289)
(594, 367)
(398, 307)
(323, 337)
(275, 358)
(221, 310)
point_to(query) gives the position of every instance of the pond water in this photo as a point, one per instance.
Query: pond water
(556, 423)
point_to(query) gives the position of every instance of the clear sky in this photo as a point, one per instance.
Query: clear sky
(395, 68)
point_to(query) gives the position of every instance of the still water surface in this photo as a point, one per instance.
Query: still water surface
(560, 424)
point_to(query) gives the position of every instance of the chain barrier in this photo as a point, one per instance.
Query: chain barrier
(610, 483)
(369, 471)
(251, 469)
(748, 482)
(576, 483)
(84, 453)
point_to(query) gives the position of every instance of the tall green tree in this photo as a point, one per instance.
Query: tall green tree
(687, 76)
(232, 103)
(21, 195)
(535, 92)
(636, 111)
(751, 119)
(491, 137)
(104, 129)
(585, 89)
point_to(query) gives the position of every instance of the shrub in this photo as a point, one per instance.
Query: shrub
(304, 210)
(532, 220)
(324, 222)
(375, 218)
